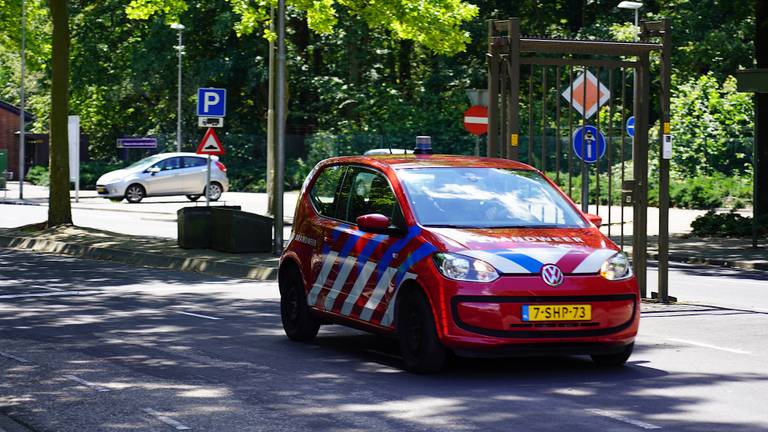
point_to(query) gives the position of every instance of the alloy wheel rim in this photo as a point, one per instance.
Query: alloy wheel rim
(215, 191)
(134, 192)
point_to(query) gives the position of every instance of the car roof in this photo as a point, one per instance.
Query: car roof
(182, 154)
(401, 161)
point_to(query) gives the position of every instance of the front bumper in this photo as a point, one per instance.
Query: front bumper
(110, 191)
(478, 316)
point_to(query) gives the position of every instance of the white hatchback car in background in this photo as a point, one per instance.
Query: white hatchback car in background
(165, 174)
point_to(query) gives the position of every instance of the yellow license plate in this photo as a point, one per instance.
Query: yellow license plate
(564, 312)
(101, 189)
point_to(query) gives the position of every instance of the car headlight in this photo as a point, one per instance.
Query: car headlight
(464, 268)
(616, 267)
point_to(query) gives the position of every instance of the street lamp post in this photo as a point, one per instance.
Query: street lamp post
(180, 52)
(632, 5)
(22, 122)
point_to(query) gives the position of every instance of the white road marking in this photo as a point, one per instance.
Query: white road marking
(197, 315)
(13, 357)
(86, 383)
(704, 345)
(165, 419)
(621, 418)
(49, 294)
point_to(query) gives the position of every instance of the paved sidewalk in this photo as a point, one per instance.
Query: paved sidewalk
(142, 251)
(727, 252)
(163, 252)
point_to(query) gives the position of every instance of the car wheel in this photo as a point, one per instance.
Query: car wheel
(193, 198)
(135, 193)
(216, 191)
(298, 322)
(419, 345)
(614, 360)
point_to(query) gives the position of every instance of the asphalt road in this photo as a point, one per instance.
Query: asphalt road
(96, 346)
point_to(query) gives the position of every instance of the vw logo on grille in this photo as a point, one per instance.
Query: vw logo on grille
(552, 275)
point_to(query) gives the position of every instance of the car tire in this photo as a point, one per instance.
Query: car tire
(614, 360)
(193, 198)
(298, 322)
(135, 193)
(216, 191)
(421, 349)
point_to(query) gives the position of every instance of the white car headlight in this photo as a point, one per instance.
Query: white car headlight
(464, 268)
(616, 267)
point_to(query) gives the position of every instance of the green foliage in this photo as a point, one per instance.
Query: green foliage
(701, 192)
(371, 74)
(92, 170)
(707, 117)
(712, 191)
(435, 24)
(38, 175)
(729, 224)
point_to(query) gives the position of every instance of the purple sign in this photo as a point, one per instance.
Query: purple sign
(137, 143)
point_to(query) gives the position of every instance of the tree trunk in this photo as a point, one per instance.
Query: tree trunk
(59, 210)
(404, 62)
(761, 114)
(575, 15)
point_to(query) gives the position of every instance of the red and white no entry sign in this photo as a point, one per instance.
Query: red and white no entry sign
(476, 120)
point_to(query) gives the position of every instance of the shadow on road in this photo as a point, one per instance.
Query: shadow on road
(345, 380)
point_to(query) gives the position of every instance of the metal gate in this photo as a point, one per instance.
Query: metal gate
(541, 94)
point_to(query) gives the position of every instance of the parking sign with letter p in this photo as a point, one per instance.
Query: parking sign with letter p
(211, 102)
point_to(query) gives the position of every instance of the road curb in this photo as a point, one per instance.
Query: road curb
(744, 265)
(145, 259)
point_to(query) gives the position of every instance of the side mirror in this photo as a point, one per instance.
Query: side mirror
(153, 170)
(374, 222)
(595, 219)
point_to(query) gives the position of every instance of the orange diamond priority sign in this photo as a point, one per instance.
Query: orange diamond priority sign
(210, 145)
(596, 94)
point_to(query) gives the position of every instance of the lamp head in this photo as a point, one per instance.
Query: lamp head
(630, 5)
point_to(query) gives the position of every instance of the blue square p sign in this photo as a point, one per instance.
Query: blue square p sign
(211, 102)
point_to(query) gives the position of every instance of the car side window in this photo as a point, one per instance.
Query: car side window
(324, 191)
(169, 164)
(365, 192)
(192, 162)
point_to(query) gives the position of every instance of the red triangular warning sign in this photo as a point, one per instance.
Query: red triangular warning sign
(210, 145)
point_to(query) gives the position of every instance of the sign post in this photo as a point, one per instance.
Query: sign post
(210, 145)
(73, 132)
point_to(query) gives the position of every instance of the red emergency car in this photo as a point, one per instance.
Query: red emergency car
(477, 256)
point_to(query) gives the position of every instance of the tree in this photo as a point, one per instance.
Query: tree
(59, 208)
(435, 24)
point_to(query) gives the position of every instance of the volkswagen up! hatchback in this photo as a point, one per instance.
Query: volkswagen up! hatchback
(165, 174)
(473, 255)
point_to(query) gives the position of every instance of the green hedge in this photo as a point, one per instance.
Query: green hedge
(701, 192)
(38, 175)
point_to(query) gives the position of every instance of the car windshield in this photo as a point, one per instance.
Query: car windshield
(146, 161)
(486, 198)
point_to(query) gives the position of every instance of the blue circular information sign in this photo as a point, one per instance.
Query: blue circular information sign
(588, 144)
(631, 126)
